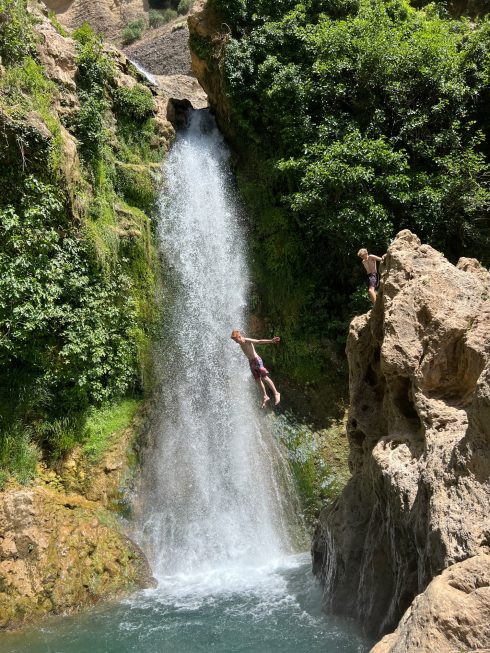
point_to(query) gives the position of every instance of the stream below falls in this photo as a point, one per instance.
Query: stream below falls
(215, 510)
(273, 609)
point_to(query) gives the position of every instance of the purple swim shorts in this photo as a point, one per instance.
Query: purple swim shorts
(257, 368)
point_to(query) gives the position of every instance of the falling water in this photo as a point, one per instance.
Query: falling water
(210, 499)
(149, 77)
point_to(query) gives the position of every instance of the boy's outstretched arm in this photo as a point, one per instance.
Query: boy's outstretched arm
(376, 258)
(274, 341)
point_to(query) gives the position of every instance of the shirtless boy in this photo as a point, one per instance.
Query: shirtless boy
(369, 262)
(257, 368)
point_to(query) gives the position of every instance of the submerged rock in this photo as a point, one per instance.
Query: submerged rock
(419, 436)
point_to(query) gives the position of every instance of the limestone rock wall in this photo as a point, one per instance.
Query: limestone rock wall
(452, 615)
(58, 552)
(419, 435)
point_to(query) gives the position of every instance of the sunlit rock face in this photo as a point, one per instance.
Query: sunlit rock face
(106, 16)
(452, 615)
(419, 436)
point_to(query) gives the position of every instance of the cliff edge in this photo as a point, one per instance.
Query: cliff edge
(419, 437)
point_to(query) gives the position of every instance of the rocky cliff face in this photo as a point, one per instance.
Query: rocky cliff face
(60, 552)
(163, 52)
(452, 615)
(419, 436)
(208, 37)
(107, 16)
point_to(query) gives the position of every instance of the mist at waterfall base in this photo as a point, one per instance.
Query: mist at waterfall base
(215, 510)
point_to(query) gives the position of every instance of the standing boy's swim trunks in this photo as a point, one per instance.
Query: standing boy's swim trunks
(257, 367)
(373, 280)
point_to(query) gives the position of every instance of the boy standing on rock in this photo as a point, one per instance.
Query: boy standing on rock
(369, 261)
(257, 368)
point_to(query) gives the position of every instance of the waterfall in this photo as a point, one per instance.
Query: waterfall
(149, 77)
(210, 496)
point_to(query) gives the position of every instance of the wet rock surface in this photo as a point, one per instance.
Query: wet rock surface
(419, 436)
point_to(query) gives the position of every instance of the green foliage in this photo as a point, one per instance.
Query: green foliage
(136, 103)
(16, 37)
(89, 125)
(158, 18)
(133, 31)
(95, 68)
(318, 461)
(184, 6)
(61, 321)
(26, 91)
(78, 276)
(353, 121)
(103, 423)
(56, 24)
(136, 184)
(18, 455)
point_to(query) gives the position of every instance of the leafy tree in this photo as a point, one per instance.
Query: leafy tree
(353, 120)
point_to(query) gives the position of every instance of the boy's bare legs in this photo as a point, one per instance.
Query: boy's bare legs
(265, 398)
(372, 295)
(277, 396)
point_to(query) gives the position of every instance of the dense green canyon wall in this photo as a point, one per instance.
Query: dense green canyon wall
(81, 145)
(81, 141)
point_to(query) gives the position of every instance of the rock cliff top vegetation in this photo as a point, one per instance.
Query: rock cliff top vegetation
(353, 119)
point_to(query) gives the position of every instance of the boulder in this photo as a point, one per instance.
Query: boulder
(419, 437)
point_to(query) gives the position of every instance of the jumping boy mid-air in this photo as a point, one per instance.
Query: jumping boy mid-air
(372, 281)
(257, 368)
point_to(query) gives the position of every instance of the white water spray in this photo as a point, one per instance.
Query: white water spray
(210, 498)
(149, 77)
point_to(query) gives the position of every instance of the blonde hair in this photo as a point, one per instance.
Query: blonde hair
(235, 334)
(362, 251)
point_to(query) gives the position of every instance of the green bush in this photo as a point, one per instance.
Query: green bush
(184, 6)
(95, 68)
(89, 125)
(158, 18)
(136, 102)
(353, 120)
(63, 321)
(16, 37)
(133, 31)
